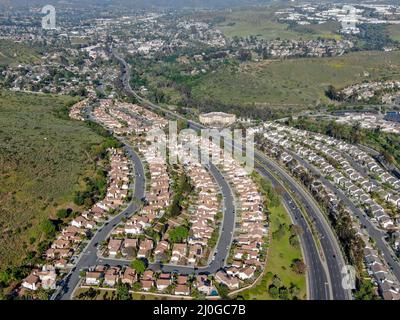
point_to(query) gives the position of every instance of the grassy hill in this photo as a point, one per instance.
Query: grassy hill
(298, 82)
(394, 31)
(262, 22)
(44, 157)
(15, 53)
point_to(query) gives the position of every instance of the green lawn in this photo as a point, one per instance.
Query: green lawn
(43, 159)
(297, 82)
(281, 255)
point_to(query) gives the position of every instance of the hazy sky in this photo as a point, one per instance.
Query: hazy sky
(141, 3)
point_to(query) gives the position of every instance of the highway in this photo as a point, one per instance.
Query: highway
(317, 279)
(324, 277)
(332, 254)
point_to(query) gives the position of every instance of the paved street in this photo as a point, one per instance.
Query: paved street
(222, 250)
(89, 258)
(316, 272)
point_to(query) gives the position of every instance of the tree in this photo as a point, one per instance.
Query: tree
(283, 293)
(298, 266)
(223, 291)
(294, 241)
(294, 290)
(136, 286)
(332, 93)
(92, 293)
(273, 291)
(123, 291)
(365, 291)
(197, 295)
(296, 230)
(138, 265)
(48, 228)
(63, 213)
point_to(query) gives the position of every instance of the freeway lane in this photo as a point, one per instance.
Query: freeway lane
(88, 257)
(330, 247)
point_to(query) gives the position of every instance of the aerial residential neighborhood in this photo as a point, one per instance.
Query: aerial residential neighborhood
(210, 152)
(132, 238)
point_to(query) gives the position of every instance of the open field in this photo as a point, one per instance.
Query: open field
(298, 82)
(394, 31)
(262, 22)
(15, 53)
(326, 30)
(280, 257)
(43, 158)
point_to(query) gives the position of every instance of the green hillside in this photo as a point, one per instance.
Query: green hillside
(263, 23)
(14, 53)
(297, 82)
(44, 157)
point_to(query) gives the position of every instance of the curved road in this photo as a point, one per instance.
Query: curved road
(88, 257)
(224, 243)
(329, 245)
